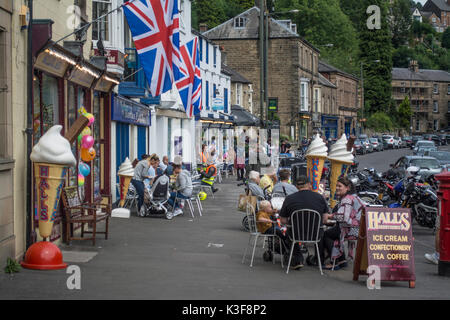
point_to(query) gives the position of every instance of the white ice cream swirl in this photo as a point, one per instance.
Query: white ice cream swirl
(126, 168)
(339, 152)
(317, 148)
(53, 148)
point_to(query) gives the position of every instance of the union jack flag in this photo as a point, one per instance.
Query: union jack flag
(189, 83)
(154, 25)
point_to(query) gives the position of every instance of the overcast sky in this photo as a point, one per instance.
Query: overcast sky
(421, 1)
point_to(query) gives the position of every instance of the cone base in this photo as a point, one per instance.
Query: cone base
(44, 256)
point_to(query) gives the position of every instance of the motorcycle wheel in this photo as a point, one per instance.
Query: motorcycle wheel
(245, 224)
(369, 200)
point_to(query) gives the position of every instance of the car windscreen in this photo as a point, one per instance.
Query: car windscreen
(425, 144)
(425, 163)
(441, 155)
(373, 140)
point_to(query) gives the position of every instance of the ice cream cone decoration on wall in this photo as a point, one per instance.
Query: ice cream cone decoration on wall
(126, 173)
(341, 159)
(316, 155)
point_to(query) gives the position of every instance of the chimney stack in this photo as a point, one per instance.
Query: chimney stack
(203, 27)
(414, 66)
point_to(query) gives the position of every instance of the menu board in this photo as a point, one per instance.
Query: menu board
(386, 241)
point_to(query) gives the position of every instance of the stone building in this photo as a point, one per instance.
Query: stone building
(292, 69)
(344, 110)
(429, 93)
(241, 92)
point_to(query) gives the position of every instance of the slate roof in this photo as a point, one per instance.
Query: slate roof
(235, 76)
(441, 4)
(422, 75)
(325, 82)
(327, 68)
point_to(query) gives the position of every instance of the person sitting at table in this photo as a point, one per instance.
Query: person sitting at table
(268, 180)
(305, 198)
(347, 215)
(209, 175)
(183, 188)
(284, 187)
(266, 223)
(253, 185)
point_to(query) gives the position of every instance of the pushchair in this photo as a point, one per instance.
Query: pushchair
(156, 198)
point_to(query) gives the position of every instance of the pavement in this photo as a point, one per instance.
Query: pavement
(200, 259)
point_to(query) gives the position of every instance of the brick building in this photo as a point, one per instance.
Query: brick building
(292, 67)
(343, 112)
(438, 12)
(429, 93)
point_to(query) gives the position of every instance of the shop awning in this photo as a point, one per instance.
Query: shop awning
(244, 118)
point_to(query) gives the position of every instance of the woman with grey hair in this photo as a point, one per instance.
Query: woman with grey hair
(253, 184)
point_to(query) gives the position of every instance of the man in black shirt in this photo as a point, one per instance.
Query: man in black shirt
(303, 199)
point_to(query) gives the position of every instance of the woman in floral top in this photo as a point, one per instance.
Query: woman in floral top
(347, 215)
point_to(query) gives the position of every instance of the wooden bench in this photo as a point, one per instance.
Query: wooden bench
(77, 212)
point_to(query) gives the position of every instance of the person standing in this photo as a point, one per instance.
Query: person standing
(140, 174)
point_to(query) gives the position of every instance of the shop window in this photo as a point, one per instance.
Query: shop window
(96, 131)
(100, 29)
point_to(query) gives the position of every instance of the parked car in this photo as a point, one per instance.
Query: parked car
(408, 141)
(427, 165)
(442, 156)
(367, 144)
(443, 138)
(376, 144)
(433, 137)
(424, 146)
(398, 143)
(389, 141)
(359, 147)
(415, 139)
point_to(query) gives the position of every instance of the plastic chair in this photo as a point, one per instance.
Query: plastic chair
(195, 197)
(305, 228)
(253, 230)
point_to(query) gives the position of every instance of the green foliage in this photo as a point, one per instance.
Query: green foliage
(211, 12)
(404, 114)
(446, 39)
(380, 122)
(401, 21)
(12, 266)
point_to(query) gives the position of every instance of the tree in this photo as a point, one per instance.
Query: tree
(376, 54)
(446, 39)
(404, 114)
(380, 122)
(400, 22)
(211, 12)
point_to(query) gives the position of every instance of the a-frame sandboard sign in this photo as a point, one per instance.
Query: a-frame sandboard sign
(385, 240)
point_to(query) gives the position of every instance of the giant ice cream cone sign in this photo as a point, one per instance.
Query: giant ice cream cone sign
(125, 173)
(52, 156)
(315, 156)
(341, 159)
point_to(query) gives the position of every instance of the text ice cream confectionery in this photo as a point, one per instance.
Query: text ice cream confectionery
(316, 155)
(52, 156)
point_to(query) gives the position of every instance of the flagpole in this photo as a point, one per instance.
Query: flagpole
(90, 23)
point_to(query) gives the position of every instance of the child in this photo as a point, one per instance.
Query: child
(267, 224)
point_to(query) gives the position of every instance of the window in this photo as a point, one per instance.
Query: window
(436, 125)
(304, 97)
(201, 49)
(214, 90)
(239, 23)
(433, 19)
(215, 56)
(225, 100)
(402, 89)
(238, 94)
(436, 89)
(448, 89)
(316, 100)
(435, 106)
(100, 29)
(417, 125)
(207, 52)
(448, 106)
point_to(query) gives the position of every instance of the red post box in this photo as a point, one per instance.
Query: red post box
(444, 212)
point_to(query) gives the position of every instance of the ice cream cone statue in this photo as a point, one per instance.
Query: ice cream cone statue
(126, 173)
(52, 157)
(316, 155)
(341, 159)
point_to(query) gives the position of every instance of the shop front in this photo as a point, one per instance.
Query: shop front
(63, 83)
(131, 122)
(330, 126)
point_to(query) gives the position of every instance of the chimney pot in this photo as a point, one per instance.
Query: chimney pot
(203, 27)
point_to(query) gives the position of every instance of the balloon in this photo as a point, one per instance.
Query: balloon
(88, 155)
(84, 169)
(87, 142)
(81, 180)
(86, 132)
(82, 111)
(91, 118)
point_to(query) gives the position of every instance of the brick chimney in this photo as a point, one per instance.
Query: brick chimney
(203, 27)
(414, 65)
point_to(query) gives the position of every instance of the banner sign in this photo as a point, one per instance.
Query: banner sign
(129, 111)
(386, 242)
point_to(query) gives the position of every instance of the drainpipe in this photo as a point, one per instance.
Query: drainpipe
(29, 129)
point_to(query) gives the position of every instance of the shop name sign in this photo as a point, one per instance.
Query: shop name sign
(218, 104)
(386, 236)
(130, 112)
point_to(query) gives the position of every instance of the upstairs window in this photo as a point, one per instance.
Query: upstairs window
(435, 106)
(239, 23)
(436, 89)
(100, 29)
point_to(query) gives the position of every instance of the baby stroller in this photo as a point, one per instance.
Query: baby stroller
(157, 197)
